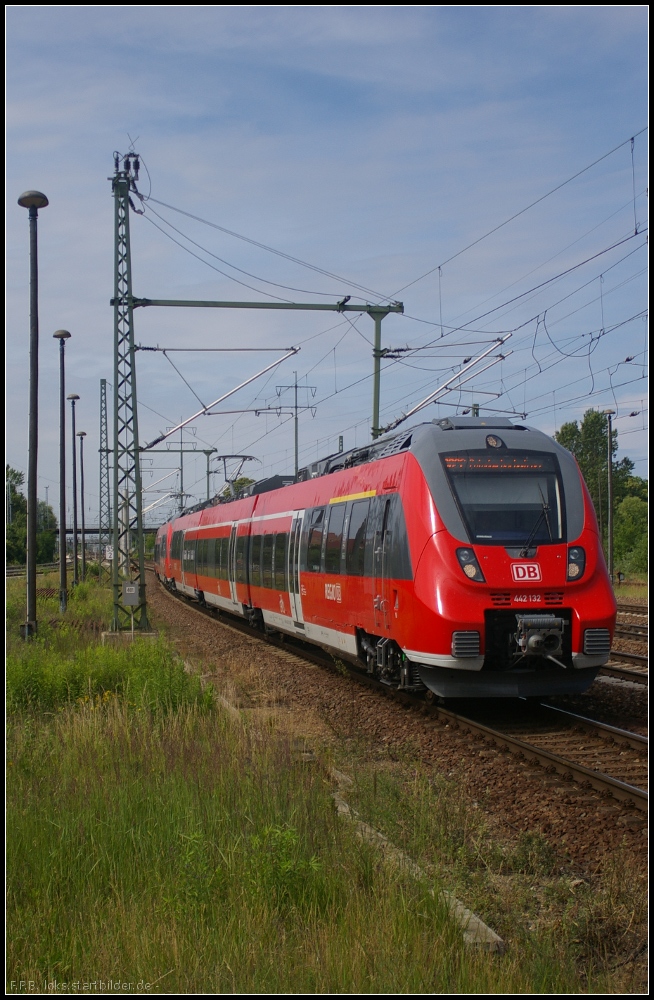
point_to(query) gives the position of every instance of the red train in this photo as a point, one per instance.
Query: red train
(461, 555)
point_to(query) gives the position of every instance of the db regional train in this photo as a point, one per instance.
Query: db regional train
(462, 556)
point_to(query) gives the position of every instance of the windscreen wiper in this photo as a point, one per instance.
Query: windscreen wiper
(543, 516)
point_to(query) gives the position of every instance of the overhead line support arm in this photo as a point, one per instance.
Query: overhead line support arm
(376, 311)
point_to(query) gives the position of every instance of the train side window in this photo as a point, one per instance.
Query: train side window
(224, 558)
(241, 558)
(281, 554)
(267, 560)
(255, 560)
(188, 555)
(314, 540)
(356, 538)
(221, 558)
(397, 545)
(208, 557)
(334, 542)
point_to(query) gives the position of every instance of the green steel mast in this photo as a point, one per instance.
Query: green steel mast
(128, 562)
(104, 519)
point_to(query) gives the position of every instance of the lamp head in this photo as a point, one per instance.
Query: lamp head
(61, 335)
(73, 396)
(33, 199)
(81, 434)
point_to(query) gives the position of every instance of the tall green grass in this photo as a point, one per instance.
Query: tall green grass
(152, 838)
(184, 848)
(146, 675)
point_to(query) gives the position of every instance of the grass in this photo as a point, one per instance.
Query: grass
(153, 838)
(184, 846)
(635, 585)
(524, 889)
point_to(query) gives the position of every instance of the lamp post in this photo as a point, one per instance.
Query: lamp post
(62, 336)
(609, 414)
(33, 201)
(81, 435)
(73, 397)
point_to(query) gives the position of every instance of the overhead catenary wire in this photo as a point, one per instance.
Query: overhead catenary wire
(522, 211)
(559, 346)
(227, 263)
(279, 253)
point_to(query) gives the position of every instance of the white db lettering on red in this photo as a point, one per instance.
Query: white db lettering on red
(523, 572)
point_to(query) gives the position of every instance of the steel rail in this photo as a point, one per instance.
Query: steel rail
(634, 740)
(603, 783)
(622, 674)
(21, 570)
(628, 631)
(638, 658)
(632, 609)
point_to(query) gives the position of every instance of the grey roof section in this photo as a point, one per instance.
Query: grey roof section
(430, 441)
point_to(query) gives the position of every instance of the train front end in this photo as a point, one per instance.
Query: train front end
(512, 581)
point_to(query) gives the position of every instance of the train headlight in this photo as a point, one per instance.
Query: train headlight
(576, 562)
(469, 565)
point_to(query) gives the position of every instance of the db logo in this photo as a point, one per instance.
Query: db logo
(523, 572)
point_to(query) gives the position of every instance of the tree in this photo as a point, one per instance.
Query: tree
(588, 442)
(239, 484)
(16, 528)
(630, 536)
(589, 445)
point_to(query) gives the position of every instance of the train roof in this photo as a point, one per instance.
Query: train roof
(426, 442)
(412, 438)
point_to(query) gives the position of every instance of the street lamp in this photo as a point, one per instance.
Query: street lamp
(81, 435)
(609, 414)
(62, 336)
(33, 201)
(73, 397)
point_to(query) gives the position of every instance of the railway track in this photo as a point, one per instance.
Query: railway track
(629, 631)
(611, 761)
(630, 666)
(637, 671)
(22, 570)
(632, 609)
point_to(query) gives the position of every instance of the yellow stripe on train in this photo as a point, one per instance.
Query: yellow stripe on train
(354, 496)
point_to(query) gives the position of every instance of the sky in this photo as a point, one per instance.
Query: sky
(484, 165)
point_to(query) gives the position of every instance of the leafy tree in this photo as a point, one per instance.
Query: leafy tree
(630, 535)
(588, 442)
(239, 484)
(16, 517)
(16, 528)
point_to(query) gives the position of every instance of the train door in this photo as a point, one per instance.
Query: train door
(295, 598)
(189, 546)
(381, 563)
(231, 563)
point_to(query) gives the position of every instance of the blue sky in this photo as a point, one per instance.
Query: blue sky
(375, 142)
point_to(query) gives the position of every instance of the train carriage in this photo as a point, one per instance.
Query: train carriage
(462, 556)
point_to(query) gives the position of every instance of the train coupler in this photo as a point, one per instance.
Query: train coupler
(539, 635)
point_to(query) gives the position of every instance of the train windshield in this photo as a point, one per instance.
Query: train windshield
(508, 497)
